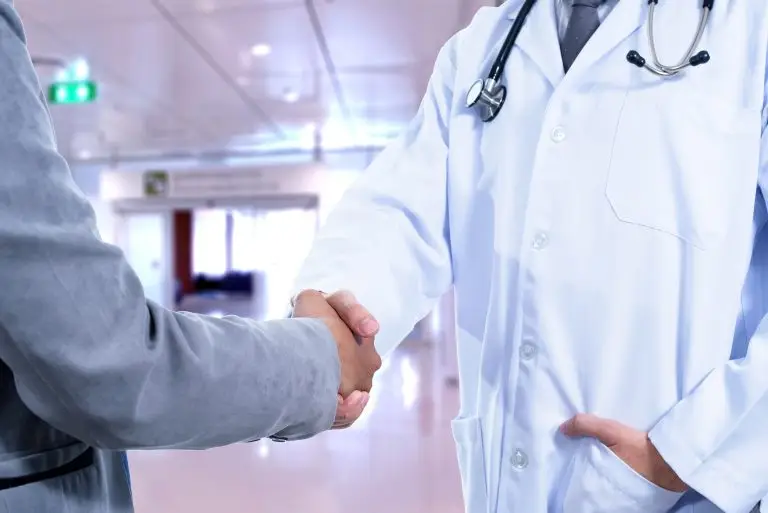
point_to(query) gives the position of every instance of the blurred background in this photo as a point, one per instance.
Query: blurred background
(213, 137)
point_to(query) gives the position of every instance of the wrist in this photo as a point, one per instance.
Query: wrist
(664, 475)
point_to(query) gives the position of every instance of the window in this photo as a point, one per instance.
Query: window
(245, 249)
(209, 242)
(281, 240)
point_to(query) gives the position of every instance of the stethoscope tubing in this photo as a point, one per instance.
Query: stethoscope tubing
(497, 70)
(490, 96)
(661, 69)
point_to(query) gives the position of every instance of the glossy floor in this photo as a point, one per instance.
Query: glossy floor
(399, 458)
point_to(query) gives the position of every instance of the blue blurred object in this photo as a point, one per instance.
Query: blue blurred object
(124, 458)
(179, 292)
(240, 282)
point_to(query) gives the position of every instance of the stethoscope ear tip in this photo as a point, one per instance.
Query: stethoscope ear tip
(700, 58)
(633, 57)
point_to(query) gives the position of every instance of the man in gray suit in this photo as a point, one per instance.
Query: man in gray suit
(89, 368)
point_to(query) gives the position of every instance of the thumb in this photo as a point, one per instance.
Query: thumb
(353, 313)
(609, 432)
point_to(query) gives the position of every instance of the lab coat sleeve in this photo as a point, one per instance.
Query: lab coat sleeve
(386, 241)
(716, 439)
(92, 357)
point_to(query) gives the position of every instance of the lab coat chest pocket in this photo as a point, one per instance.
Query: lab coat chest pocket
(467, 432)
(602, 483)
(682, 162)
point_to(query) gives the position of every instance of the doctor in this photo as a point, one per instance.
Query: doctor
(597, 233)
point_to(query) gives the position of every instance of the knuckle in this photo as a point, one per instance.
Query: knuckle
(342, 300)
(580, 422)
(306, 294)
(356, 313)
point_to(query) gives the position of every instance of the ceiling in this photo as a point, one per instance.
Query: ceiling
(183, 76)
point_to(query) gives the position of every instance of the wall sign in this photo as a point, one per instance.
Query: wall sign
(156, 184)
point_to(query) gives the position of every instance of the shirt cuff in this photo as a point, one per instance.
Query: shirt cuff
(714, 479)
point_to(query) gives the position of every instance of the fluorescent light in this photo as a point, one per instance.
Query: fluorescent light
(291, 96)
(80, 70)
(261, 50)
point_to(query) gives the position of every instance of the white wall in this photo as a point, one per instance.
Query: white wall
(343, 169)
(105, 219)
(333, 187)
(330, 186)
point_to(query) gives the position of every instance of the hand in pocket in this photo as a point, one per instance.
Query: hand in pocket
(633, 447)
(601, 482)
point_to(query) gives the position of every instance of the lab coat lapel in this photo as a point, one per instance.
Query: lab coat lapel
(625, 18)
(538, 38)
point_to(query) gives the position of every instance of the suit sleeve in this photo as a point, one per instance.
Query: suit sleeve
(89, 354)
(716, 439)
(387, 239)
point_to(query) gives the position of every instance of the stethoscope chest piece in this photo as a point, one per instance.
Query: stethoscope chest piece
(486, 97)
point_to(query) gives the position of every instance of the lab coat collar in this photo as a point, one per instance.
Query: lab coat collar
(538, 38)
(541, 43)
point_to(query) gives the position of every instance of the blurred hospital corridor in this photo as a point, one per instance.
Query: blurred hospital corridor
(399, 457)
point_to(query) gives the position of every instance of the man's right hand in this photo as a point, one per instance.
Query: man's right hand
(357, 355)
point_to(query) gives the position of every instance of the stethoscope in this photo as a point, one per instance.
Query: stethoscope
(486, 96)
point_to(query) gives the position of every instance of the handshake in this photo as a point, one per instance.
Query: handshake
(353, 329)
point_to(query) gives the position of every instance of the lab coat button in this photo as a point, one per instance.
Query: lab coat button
(527, 351)
(558, 134)
(540, 241)
(519, 460)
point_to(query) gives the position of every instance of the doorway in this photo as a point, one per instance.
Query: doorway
(249, 249)
(244, 260)
(145, 238)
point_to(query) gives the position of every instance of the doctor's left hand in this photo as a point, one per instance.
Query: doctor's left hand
(632, 446)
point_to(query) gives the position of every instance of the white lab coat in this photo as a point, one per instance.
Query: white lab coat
(597, 235)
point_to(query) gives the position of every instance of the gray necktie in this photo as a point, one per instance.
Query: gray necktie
(583, 23)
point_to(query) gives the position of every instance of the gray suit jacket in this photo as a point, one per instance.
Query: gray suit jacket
(87, 362)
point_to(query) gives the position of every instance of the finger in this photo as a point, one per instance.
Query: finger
(350, 410)
(350, 417)
(375, 361)
(346, 422)
(341, 414)
(609, 432)
(353, 313)
(310, 303)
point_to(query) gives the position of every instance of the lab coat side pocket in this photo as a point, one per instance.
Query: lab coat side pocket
(602, 483)
(468, 435)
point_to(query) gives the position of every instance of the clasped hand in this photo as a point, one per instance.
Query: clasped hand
(354, 329)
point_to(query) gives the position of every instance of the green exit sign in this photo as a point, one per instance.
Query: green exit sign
(72, 92)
